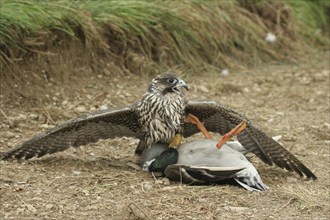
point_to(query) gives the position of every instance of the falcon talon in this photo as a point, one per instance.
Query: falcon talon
(235, 131)
(157, 117)
(190, 118)
(176, 141)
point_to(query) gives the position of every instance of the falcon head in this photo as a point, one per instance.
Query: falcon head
(167, 83)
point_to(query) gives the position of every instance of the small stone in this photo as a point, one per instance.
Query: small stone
(146, 186)
(8, 134)
(49, 206)
(103, 107)
(158, 182)
(34, 117)
(76, 172)
(31, 208)
(326, 125)
(71, 106)
(166, 182)
(280, 113)
(236, 209)
(270, 120)
(65, 102)
(44, 126)
(81, 108)
(246, 90)
(20, 210)
(224, 72)
(270, 37)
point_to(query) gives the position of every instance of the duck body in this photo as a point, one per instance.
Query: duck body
(200, 162)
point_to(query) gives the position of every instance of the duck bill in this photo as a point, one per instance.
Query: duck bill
(235, 131)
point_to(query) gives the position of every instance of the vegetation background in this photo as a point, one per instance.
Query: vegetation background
(147, 35)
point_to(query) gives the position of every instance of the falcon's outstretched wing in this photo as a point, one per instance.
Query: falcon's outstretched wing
(89, 128)
(220, 119)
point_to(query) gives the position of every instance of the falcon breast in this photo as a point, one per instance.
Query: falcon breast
(162, 109)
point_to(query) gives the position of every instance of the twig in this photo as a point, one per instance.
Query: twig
(153, 175)
(284, 205)
(48, 118)
(78, 177)
(139, 209)
(4, 114)
(12, 71)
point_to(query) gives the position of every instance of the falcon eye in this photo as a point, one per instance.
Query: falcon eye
(171, 80)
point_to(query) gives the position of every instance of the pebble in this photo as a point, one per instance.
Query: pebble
(146, 186)
(8, 134)
(224, 72)
(270, 37)
(246, 90)
(76, 172)
(103, 107)
(81, 108)
(44, 126)
(236, 209)
(326, 125)
(34, 117)
(31, 208)
(164, 181)
(49, 206)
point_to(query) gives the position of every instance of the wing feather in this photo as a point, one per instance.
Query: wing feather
(89, 128)
(220, 119)
(200, 174)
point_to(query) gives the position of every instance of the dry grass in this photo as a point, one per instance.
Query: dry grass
(92, 182)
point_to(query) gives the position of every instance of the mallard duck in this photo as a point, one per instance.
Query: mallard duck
(200, 162)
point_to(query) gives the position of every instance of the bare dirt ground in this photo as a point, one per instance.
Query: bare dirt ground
(90, 183)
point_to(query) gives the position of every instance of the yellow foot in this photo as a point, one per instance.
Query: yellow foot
(235, 131)
(176, 141)
(194, 120)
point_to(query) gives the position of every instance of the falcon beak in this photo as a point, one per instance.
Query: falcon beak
(238, 129)
(180, 84)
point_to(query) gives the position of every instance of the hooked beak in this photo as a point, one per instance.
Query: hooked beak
(180, 84)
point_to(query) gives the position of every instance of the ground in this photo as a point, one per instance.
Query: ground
(92, 182)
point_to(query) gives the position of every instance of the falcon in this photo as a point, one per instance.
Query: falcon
(160, 115)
